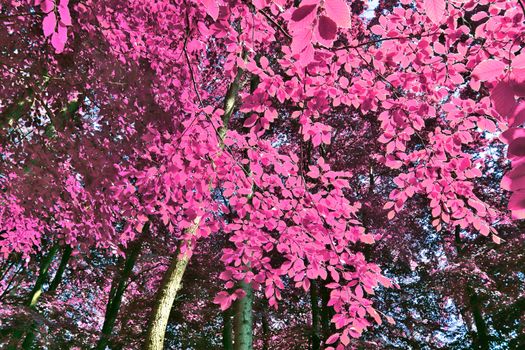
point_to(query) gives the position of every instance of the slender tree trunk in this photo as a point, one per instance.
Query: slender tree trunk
(481, 340)
(482, 337)
(170, 285)
(117, 291)
(243, 320)
(36, 292)
(30, 336)
(7, 265)
(61, 269)
(326, 312)
(19, 270)
(32, 299)
(227, 341)
(266, 331)
(314, 300)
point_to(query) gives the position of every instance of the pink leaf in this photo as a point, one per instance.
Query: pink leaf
(517, 80)
(517, 147)
(314, 172)
(518, 116)
(339, 12)
(488, 70)
(435, 10)
(332, 339)
(300, 40)
(345, 340)
(65, 16)
(519, 61)
(58, 42)
(250, 121)
(326, 28)
(517, 201)
(49, 23)
(212, 8)
(369, 239)
(503, 98)
(223, 299)
(47, 6)
(377, 30)
(515, 179)
(302, 12)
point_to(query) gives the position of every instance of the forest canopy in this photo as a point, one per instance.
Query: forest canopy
(266, 174)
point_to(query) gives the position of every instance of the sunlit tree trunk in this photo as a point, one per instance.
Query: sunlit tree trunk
(243, 319)
(34, 295)
(37, 290)
(117, 291)
(30, 336)
(170, 285)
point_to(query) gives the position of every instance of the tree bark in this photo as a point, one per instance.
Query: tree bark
(61, 268)
(326, 312)
(117, 291)
(243, 320)
(36, 292)
(30, 336)
(32, 300)
(314, 301)
(266, 331)
(481, 341)
(482, 337)
(170, 285)
(227, 341)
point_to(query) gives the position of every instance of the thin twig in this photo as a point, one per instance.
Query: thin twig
(281, 29)
(522, 6)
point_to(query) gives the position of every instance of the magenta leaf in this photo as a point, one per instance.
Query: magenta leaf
(47, 6)
(488, 70)
(332, 339)
(435, 10)
(212, 8)
(65, 16)
(517, 147)
(339, 12)
(302, 12)
(327, 28)
(49, 24)
(503, 98)
(58, 39)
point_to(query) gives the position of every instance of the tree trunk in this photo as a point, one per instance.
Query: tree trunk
(18, 272)
(227, 341)
(32, 300)
(30, 336)
(170, 285)
(326, 312)
(265, 330)
(482, 337)
(481, 340)
(314, 300)
(243, 320)
(42, 277)
(117, 291)
(61, 268)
